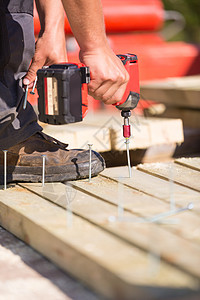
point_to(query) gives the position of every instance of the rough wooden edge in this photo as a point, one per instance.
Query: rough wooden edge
(189, 163)
(166, 177)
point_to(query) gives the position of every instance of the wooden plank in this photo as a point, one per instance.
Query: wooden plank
(104, 131)
(145, 131)
(154, 186)
(190, 117)
(191, 162)
(87, 252)
(181, 175)
(136, 202)
(98, 212)
(78, 136)
(179, 92)
(141, 204)
(163, 132)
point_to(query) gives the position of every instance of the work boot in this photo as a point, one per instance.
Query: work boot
(24, 161)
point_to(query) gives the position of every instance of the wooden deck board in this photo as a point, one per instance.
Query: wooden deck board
(178, 92)
(141, 204)
(86, 251)
(98, 212)
(189, 116)
(181, 174)
(107, 237)
(191, 162)
(154, 186)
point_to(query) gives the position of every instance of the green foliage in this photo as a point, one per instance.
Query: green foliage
(190, 9)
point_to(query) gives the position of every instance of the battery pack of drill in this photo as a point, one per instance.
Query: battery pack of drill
(62, 90)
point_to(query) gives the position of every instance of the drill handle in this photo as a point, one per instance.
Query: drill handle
(132, 94)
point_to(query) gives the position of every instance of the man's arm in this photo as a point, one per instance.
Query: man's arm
(50, 46)
(108, 75)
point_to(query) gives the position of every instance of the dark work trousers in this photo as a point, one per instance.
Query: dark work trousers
(17, 45)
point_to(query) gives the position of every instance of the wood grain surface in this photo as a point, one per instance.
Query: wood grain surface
(111, 233)
(177, 92)
(104, 131)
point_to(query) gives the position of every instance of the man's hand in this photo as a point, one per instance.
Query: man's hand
(50, 47)
(108, 75)
(49, 50)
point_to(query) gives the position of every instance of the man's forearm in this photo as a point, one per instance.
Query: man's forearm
(50, 46)
(51, 14)
(87, 22)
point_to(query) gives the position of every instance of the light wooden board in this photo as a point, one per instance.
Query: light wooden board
(190, 117)
(180, 174)
(104, 131)
(155, 186)
(145, 131)
(191, 162)
(178, 92)
(89, 208)
(144, 205)
(87, 252)
(107, 237)
(79, 135)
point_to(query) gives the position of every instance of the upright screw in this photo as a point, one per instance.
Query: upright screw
(43, 170)
(34, 85)
(127, 141)
(25, 97)
(90, 162)
(5, 168)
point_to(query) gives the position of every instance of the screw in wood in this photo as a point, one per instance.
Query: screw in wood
(25, 98)
(90, 162)
(127, 141)
(43, 170)
(34, 85)
(5, 168)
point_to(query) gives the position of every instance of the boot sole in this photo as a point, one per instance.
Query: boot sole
(53, 173)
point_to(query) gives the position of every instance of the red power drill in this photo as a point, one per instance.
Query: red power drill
(62, 90)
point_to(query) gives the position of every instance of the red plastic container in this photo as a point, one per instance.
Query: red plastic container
(125, 15)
